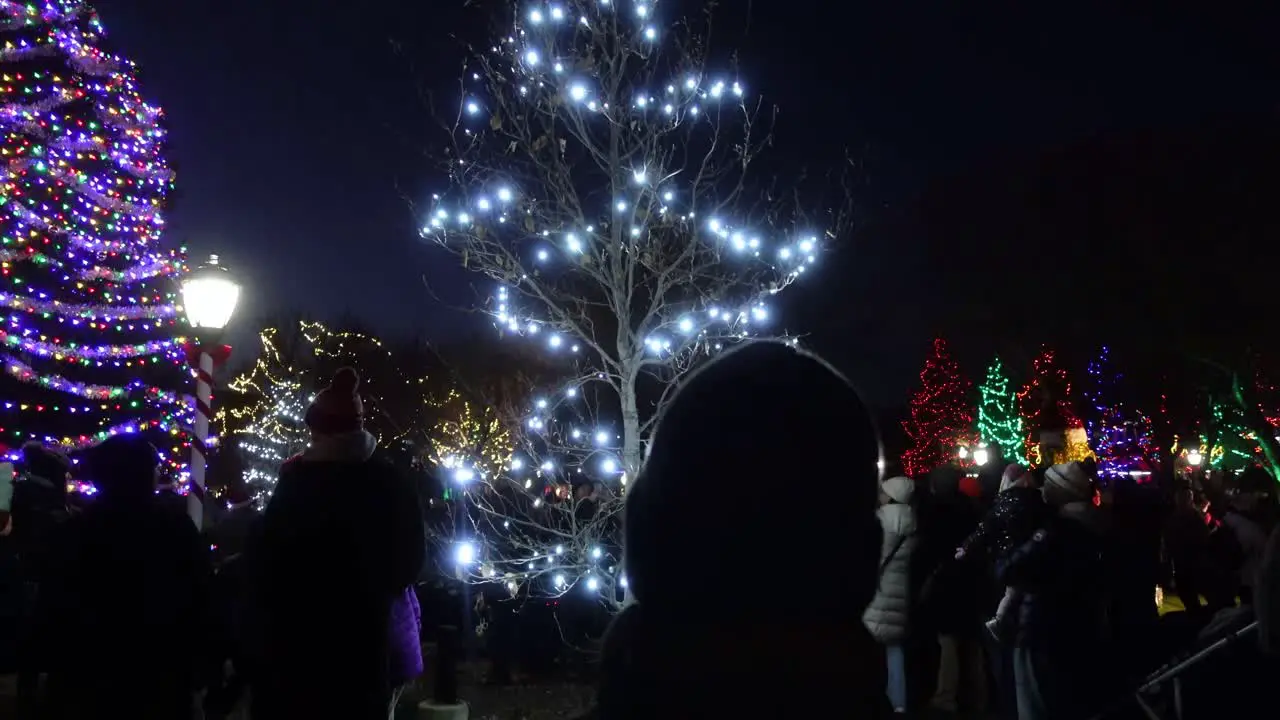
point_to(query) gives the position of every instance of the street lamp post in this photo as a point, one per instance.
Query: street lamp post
(209, 296)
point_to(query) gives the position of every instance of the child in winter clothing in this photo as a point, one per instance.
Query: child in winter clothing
(1018, 512)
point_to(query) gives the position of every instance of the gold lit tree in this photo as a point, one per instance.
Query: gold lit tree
(294, 364)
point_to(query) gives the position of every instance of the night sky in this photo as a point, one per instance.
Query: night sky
(1064, 175)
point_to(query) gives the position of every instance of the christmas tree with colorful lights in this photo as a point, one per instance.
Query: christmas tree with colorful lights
(999, 424)
(1047, 408)
(90, 345)
(600, 171)
(941, 414)
(1121, 436)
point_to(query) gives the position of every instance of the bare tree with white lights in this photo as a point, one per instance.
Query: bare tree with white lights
(602, 172)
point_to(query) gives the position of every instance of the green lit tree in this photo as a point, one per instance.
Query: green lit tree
(999, 424)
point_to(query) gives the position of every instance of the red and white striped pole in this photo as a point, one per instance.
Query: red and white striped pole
(209, 296)
(200, 435)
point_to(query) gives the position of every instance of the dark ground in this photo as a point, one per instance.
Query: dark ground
(527, 700)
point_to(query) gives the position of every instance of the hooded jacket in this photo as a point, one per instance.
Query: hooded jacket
(757, 421)
(888, 615)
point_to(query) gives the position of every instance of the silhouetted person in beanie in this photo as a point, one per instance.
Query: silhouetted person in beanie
(752, 548)
(128, 595)
(341, 539)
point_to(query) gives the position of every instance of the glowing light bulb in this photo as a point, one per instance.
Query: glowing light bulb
(473, 107)
(504, 194)
(557, 13)
(650, 33)
(686, 325)
(535, 17)
(609, 466)
(602, 437)
(981, 456)
(593, 584)
(596, 553)
(559, 580)
(465, 553)
(640, 177)
(532, 58)
(578, 92)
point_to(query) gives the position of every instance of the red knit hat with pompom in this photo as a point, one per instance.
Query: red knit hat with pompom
(337, 409)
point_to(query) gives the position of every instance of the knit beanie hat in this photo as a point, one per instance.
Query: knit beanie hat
(1012, 474)
(764, 447)
(1067, 483)
(899, 489)
(337, 409)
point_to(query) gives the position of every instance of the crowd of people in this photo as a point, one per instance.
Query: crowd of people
(1039, 600)
(120, 612)
(772, 573)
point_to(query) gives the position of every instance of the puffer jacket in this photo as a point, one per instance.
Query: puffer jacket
(1062, 572)
(887, 617)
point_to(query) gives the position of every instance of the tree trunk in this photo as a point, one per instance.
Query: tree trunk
(631, 456)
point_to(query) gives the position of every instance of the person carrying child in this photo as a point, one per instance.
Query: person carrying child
(1019, 511)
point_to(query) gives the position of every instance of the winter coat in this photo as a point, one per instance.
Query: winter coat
(406, 638)
(1017, 513)
(128, 591)
(1062, 573)
(1253, 543)
(888, 615)
(341, 539)
(39, 508)
(654, 666)
(956, 595)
